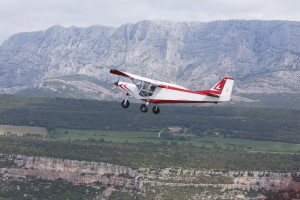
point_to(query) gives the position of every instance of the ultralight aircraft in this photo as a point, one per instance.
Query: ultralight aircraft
(157, 92)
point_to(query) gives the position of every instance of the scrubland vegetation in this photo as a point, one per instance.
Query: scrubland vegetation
(212, 138)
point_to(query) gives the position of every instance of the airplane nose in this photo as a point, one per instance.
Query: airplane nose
(117, 83)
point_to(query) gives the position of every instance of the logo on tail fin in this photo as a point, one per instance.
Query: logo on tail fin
(219, 87)
(221, 90)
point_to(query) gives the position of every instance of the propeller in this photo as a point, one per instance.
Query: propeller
(116, 85)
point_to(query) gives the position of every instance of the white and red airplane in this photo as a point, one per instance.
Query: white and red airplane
(157, 92)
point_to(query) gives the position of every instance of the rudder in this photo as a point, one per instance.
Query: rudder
(227, 89)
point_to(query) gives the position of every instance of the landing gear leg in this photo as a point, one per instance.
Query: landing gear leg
(144, 108)
(156, 109)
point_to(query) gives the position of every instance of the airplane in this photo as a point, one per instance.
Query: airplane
(158, 92)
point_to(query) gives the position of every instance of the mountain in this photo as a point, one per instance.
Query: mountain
(262, 56)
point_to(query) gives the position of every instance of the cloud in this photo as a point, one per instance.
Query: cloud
(30, 15)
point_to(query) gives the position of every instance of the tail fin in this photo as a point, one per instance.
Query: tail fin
(222, 90)
(225, 88)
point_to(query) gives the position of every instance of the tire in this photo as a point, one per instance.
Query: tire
(156, 110)
(125, 103)
(144, 108)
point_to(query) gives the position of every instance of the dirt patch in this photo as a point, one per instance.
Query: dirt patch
(22, 130)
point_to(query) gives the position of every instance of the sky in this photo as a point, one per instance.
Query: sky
(34, 15)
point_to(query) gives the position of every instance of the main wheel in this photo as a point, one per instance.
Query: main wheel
(125, 103)
(156, 110)
(144, 108)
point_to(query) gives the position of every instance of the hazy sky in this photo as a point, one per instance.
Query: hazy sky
(32, 15)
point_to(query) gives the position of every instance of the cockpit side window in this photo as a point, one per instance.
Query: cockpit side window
(147, 89)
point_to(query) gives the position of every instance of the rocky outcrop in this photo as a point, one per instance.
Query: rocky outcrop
(262, 56)
(90, 172)
(73, 171)
(266, 180)
(245, 180)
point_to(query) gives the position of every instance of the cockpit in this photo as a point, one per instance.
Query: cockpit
(146, 89)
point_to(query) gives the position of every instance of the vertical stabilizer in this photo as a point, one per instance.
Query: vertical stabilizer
(227, 89)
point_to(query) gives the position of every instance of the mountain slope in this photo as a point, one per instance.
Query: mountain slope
(262, 56)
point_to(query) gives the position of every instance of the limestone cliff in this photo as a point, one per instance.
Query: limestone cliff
(73, 171)
(108, 174)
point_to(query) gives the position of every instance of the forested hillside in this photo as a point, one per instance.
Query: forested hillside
(250, 123)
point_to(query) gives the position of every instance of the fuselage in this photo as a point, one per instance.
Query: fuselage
(166, 94)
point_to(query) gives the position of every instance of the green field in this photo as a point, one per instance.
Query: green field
(148, 136)
(276, 125)
(222, 138)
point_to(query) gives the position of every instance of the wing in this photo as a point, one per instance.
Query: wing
(147, 80)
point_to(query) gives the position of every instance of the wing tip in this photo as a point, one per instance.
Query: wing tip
(117, 72)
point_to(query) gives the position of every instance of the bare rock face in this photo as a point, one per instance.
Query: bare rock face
(74, 171)
(90, 172)
(262, 56)
(244, 180)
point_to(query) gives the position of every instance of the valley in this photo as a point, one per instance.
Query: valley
(100, 150)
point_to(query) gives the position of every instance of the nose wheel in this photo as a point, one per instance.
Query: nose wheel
(125, 103)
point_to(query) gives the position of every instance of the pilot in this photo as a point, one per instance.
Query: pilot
(152, 88)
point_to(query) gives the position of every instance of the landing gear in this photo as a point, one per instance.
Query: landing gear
(156, 109)
(125, 103)
(144, 108)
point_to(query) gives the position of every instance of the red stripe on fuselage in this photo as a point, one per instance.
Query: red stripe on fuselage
(160, 101)
(127, 88)
(124, 87)
(188, 91)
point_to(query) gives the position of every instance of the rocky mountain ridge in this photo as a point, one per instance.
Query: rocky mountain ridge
(262, 56)
(142, 179)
